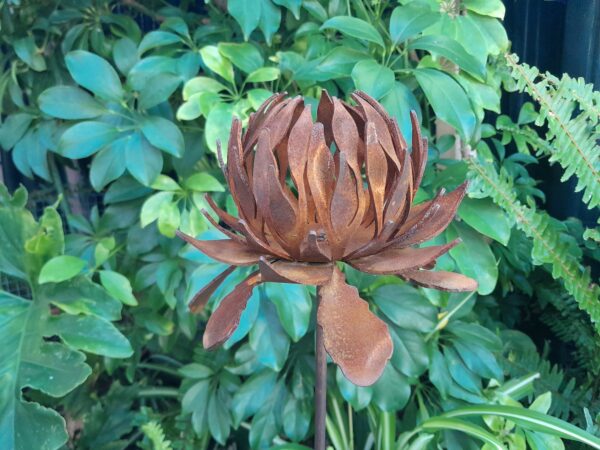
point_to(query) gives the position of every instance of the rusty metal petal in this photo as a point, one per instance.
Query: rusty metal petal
(201, 298)
(434, 220)
(344, 203)
(225, 217)
(280, 271)
(226, 318)
(376, 170)
(357, 340)
(419, 152)
(320, 174)
(444, 281)
(224, 250)
(394, 261)
(345, 135)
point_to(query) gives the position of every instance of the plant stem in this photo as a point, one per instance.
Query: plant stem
(320, 384)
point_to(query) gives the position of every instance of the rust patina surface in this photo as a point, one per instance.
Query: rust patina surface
(312, 193)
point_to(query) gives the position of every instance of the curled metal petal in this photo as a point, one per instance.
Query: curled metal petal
(444, 281)
(203, 296)
(226, 251)
(357, 340)
(226, 318)
(394, 261)
(295, 272)
(435, 219)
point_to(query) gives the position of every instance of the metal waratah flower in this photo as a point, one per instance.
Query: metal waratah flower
(313, 193)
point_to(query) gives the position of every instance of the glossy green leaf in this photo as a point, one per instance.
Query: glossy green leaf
(252, 395)
(125, 55)
(410, 352)
(373, 78)
(474, 257)
(297, 415)
(13, 128)
(270, 19)
(28, 52)
(487, 218)
(354, 27)
(86, 138)
(460, 372)
(219, 419)
(118, 286)
(151, 207)
(217, 127)
(294, 304)
(263, 74)
(216, 62)
(399, 102)
(246, 13)
(108, 165)
(91, 334)
(358, 396)
(266, 422)
(492, 8)
(391, 381)
(244, 56)
(268, 338)
(450, 49)
(169, 219)
(61, 268)
(409, 20)
(406, 307)
(68, 102)
(95, 74)
(163, 134)
(26, 361)
(143, 160)
(448, 100)
(204, 182)
(158, 89)
(157, 38)
(201, 84)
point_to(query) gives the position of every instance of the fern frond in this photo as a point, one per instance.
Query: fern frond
(155, 434)
(568, 399)
(548, 246)
(571, 110)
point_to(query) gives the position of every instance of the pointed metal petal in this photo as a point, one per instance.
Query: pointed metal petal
(419, 152)
(382, 126)
(226, 318)
(357, 340)
(224, 250)
(377, 172)
(434, 221)
(320, 173)
(226, 218)
(444, 281)
(203, 296)
(325, 114)
(345, 135)
(314, 274)
(282, 212)
(344, 203)
(392, 261)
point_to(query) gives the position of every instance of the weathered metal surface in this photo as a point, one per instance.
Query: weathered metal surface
(310, 194)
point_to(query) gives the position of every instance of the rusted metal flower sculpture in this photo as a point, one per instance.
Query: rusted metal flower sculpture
(310, 194)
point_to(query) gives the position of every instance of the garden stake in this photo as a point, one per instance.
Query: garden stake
(311, 194)
(320, 386)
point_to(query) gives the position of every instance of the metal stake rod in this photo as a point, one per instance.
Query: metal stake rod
(320, 385)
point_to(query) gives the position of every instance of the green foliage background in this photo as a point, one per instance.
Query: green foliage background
(128, 99)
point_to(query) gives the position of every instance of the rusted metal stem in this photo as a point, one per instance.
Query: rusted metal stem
(320, 384)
